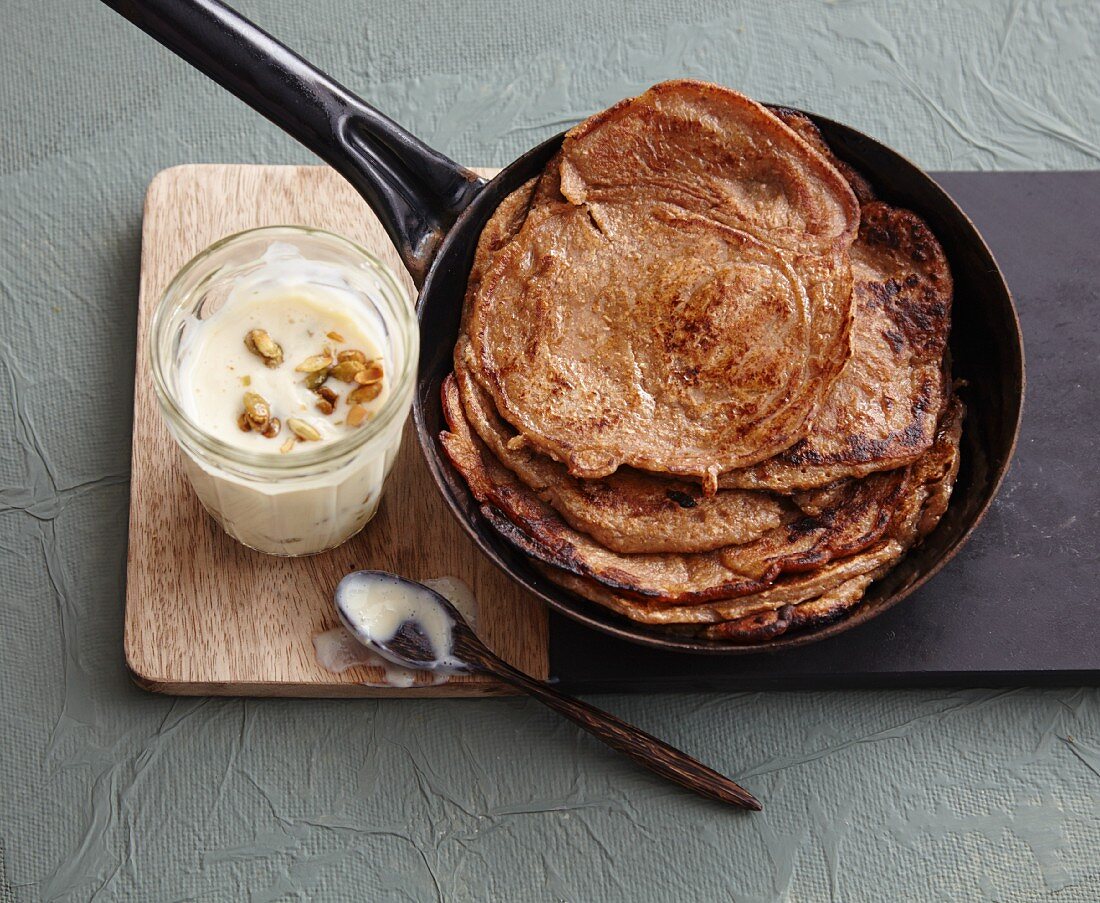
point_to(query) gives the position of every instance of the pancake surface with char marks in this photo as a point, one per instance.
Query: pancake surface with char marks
(824, 594)
(858, 518)
(882, 410)
(628, 511)
(682, 310)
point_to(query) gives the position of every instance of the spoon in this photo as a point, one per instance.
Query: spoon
(413, 626)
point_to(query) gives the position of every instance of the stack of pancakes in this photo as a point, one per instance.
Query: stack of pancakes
(702, 374)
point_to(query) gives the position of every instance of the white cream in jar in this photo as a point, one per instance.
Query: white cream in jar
(307, 324)
(285, 374)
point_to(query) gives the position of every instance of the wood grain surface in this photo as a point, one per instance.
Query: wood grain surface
(204, 615)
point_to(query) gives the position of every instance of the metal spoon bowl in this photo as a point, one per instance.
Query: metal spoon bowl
(411, 642)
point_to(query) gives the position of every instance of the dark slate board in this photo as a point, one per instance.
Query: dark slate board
(1019, 604)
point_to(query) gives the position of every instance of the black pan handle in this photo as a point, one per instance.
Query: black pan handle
(416, 191)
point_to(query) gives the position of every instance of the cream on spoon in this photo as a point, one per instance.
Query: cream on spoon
(376, 606)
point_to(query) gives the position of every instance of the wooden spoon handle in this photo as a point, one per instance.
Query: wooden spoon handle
(645, 749)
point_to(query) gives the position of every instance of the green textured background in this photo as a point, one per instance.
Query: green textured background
(108, 793)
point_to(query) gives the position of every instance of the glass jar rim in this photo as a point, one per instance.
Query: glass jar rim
(326, 453)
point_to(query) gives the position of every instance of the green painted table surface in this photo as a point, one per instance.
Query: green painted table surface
(109, 793)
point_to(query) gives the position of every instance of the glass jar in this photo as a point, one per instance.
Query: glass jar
(316, 498)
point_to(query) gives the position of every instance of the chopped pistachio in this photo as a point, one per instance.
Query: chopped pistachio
(261, 344)
(315, 363)
(365, 393)
(316, 380)
(303, 430)
(371, 373)
(257, 409)
(347, 371)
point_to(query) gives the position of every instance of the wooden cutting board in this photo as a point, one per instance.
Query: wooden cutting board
(204, 615)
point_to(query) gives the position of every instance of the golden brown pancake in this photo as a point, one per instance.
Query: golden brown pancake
(682, 311)
(934, 476)
(766, 625)
(881, 412)
(803, 126)
(629, 511)
(821, 595)
(534, 527)
(702, 146)
(789, 591)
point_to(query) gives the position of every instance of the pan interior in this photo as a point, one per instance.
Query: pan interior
(985, 345)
